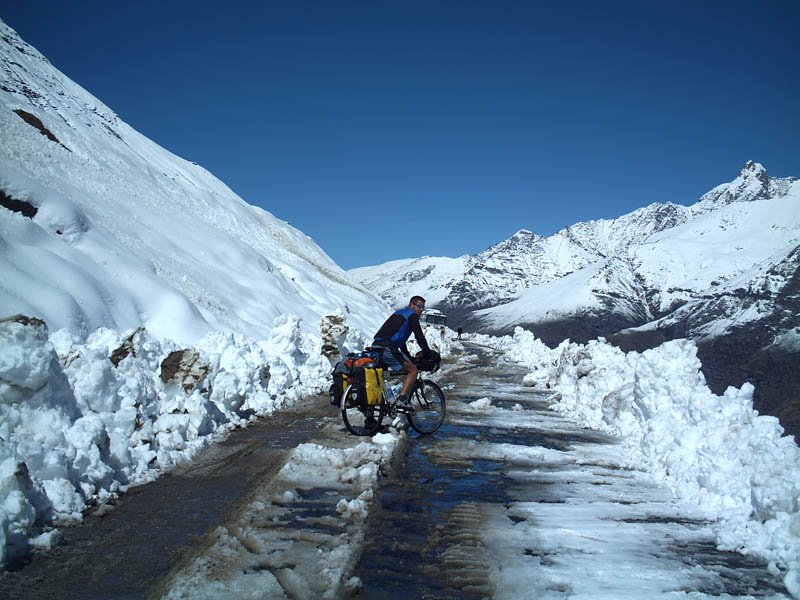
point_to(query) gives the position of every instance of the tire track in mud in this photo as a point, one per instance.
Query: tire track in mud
(464, 560)
(424, 536)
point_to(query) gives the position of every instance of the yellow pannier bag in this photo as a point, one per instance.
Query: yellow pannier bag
(373, 378)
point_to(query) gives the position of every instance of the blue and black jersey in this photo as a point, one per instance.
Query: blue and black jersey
(399, 327)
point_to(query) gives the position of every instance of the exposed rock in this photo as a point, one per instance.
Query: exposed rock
(334, 331)
(25, 320)
(185, 368)
(34, 121)
(127, 348)
(26, 209)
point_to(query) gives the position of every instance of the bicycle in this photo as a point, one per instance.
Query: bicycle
(425, 410)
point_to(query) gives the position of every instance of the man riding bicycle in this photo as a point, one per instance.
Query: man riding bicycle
(392, 336)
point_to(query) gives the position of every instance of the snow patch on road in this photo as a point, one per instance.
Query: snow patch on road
(303, 533)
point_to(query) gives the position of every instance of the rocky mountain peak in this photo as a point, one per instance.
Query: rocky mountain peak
(723, 271)
(521, 239)
(751, 184)
(753, 169)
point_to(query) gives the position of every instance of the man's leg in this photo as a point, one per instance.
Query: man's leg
(396, 360)
(411, 374)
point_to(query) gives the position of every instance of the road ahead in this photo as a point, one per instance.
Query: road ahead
(507, 500)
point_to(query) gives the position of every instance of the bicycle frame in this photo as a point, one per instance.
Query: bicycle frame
(390, 399)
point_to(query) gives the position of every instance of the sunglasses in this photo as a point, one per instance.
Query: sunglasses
(420, 306)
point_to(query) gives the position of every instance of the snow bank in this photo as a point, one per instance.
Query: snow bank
(81, 421)
(715, 450)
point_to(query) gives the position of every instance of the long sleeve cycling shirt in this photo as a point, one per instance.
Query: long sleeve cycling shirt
(399, 327)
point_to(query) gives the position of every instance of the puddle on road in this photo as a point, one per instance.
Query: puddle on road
(423, 537)
(424, 530)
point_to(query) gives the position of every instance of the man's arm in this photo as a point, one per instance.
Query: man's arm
(391, 325)
(413, 321)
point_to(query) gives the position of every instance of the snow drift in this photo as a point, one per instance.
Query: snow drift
(714, 450)
(104, 228)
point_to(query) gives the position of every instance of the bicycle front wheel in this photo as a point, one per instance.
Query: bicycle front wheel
(427, 402)
(359, 417)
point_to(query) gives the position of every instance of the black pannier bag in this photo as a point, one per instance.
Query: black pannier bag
(340, 375)
(429, 361)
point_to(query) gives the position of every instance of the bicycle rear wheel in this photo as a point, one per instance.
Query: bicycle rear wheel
(427, 402)
(359, 417)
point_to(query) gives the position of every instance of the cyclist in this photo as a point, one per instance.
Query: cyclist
(393, 335)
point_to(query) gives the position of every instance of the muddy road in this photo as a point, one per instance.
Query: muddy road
(124, 551)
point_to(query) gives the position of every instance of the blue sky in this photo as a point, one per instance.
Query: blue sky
(389, 130)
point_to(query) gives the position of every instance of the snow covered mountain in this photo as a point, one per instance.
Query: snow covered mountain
(145, 309)
(633, 271)
(103, 227)
(120, 252)
(668, 271)
(496, 276)
(723, 271)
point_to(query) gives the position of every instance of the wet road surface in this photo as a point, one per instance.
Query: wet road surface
(512, 501)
